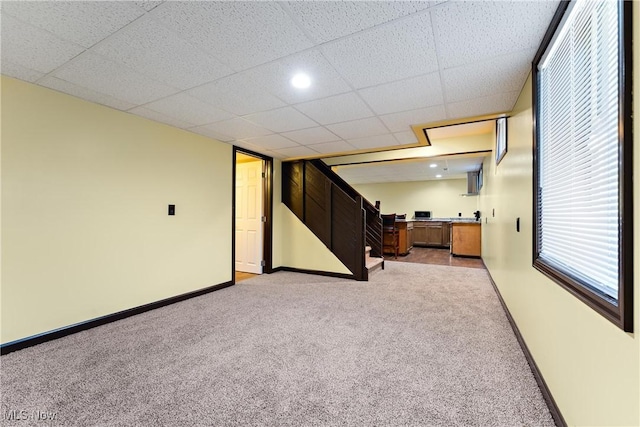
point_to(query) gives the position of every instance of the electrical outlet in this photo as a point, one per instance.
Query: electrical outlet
(172, 209)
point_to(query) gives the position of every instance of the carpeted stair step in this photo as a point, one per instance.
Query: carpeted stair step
(374, 264)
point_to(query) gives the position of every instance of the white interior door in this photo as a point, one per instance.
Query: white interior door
(249, 217)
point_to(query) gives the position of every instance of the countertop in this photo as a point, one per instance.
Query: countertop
(452, 220)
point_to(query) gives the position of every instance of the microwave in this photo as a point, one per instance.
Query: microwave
(422, 215)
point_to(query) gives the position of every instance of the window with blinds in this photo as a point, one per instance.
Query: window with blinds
(579, 156)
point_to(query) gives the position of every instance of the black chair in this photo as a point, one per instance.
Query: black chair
(390, 235)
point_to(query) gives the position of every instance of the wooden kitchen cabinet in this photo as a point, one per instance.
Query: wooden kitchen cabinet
(420, 233)
(431, 233)
(466, 239)
(434, 234)
(405, 230)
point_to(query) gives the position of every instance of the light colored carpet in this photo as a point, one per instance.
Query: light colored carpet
(417, 345)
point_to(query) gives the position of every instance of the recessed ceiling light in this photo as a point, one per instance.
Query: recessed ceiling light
(438, 176)
(301, 81)
(433, 165)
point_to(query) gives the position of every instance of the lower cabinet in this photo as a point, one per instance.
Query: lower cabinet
(405, 230)
(420, 233)
(434, 234)
(466, 239)
(431, 233)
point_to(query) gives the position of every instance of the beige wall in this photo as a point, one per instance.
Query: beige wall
(441, 197)
(85, 230)
(302, 249)
(591, 367)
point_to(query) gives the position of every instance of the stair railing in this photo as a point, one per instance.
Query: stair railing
(373, 222)
(334, 211)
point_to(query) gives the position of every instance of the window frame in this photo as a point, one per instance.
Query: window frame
(622, 313)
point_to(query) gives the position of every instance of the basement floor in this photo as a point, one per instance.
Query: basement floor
(437, 256)
(417, 255)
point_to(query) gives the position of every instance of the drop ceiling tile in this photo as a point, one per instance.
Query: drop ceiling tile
(497, 103)
(336, 109)
(325, 21)
(377, 141)
(159, 117)
(148, 4)
(239, 128)
(147, 47)
(82, 22)
(238, 94)
(484, 29)
(506, 73)
(33, 48)
(296, 152)
(189, 109)
(84, 93)
(406, 137)
(404, 95)
(104, 76)
(19, 72)
(359, 128)
(384, 54)
(325, 80)
(272, 142)
(207, 130)
(311, 136)
(282, 120)
(397, 122)
(246, 34)
(333, 147)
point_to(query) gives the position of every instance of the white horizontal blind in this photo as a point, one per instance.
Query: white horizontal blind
(579, 148)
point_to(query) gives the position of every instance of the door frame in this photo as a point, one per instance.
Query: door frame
(267, 209)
